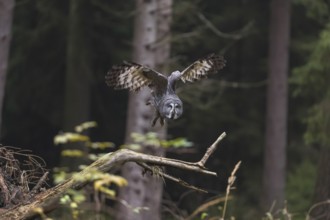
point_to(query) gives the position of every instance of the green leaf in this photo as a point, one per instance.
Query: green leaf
(204, 215)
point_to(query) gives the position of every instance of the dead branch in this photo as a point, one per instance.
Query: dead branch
(210, 150)
(48, 198)
(174, 179)
(41, 181)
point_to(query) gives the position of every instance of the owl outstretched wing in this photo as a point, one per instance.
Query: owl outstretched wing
(202, 67)
(134, 76)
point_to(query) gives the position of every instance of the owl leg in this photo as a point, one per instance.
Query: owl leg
(162, 121)
(154, 121)
(158, 116)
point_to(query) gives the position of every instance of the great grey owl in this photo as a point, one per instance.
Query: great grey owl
(167, 104)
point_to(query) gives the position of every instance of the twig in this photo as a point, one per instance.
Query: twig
(231, 181)
(39, 184)
(205, 206)
(210, 150)
(174, 179)
(325, 202)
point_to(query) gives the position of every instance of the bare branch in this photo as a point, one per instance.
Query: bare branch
(125, 155)
(174, 179)
(41, 181)
(210, 150)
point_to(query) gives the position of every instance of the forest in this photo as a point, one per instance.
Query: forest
(252, 141)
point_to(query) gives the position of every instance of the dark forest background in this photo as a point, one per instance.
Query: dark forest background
(234, 100)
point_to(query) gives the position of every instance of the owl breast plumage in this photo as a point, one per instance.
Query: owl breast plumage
(133, 76)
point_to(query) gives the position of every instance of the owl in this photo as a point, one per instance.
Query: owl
(164, 99)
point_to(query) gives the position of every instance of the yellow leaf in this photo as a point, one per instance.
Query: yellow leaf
(108, 191)
(72, 153)
(65, 199)
(64, 138)
(73, 205)
(118, 180)
(100, 145)
(60, 176)
(85, 125)
(135, 147)
(107, 179)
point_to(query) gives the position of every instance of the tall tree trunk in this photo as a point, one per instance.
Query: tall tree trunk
(78, 75)
(152, 26)
(277, 98)
(6, 17)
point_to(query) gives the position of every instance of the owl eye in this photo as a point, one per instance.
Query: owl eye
(177, 106)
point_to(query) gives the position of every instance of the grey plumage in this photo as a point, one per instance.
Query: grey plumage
(168, 105)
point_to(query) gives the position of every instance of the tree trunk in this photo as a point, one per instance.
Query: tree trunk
(277, 98)
(152, 25)
(6, 16)
(78, 76)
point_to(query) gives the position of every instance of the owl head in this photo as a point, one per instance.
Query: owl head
(171, 108)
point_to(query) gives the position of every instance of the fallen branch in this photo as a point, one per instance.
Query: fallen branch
(46, 199)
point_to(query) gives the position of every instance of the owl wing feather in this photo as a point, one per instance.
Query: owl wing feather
(202, 67)
(134, 76)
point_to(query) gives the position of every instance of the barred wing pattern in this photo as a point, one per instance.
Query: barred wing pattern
(133, 76)
(202, 67)
(167, 104)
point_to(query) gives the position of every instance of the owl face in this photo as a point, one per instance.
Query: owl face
(171, 109)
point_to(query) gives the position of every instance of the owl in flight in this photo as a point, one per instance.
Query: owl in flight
(167, 104)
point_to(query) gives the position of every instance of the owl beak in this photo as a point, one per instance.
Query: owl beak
(172, 112)
(173, 115)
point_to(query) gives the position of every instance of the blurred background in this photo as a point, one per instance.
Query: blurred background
(272, 98)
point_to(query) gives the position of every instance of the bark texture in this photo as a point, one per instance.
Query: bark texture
(277, 98)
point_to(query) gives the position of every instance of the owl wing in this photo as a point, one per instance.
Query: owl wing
(202, 67)
(134, 76)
